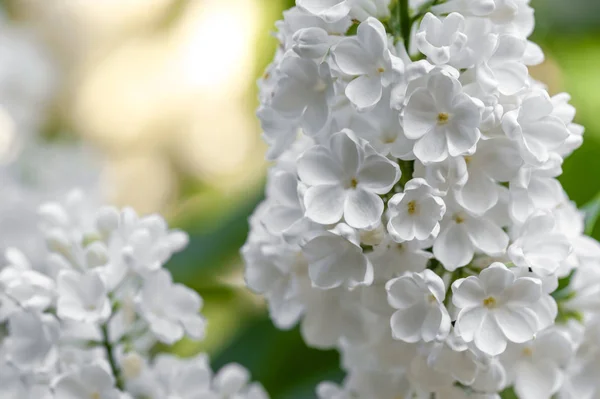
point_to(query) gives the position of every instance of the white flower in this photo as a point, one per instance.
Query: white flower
(424, 378)
(232, 381)
(287, 211)
(503, 70)
(392, 259)
(382, 129)
(444, 120)
(304, 92)
(421, 314)
(330, 390)
(536, 188)
(151, 244)
(496, 160)
(536, 368)
(91, 381)
(334, 260)
(14, 384)
(415, 213)
(566, 112)
(313, 42)
(455, 357)
(535, 129)
(334, 10)
(22, 287)
(82, 297)
(450, 173)
(462, 233)
(345, 180)
(329, 10)
(360, 259)
(172, 377)
(495, 308)
(171, 310)
(539, 246)
(332, 316)
(367, 59)
(278, 132)
(269, 272)
(479, 8)
(439, 39)
(32, 340)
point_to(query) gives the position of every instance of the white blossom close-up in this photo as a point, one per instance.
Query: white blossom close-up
(415, 222)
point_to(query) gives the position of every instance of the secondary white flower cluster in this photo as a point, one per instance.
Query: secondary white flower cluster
(81, 324)
(413, 219)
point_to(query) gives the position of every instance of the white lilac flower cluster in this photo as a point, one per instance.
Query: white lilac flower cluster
(82, 324)
(413, 219)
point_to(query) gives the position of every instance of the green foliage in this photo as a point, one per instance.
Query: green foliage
(592, 212)
(508, 393)
(212, 248)
(281, 361)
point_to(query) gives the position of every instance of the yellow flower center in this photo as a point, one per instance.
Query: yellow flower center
(468, 159)
(95, 395)
(459, 219)
(381, 70)
(527, 352)
(443, 118)
(389, 139)
(412, 207)
(353, 182)
(320, 87)
(489, 302)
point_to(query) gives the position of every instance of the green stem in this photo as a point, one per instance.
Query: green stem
(111, 357)
(405, 22)
(407, 168)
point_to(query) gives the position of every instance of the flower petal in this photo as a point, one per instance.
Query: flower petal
(316, 167)
(433, 146)
(350, 57)
(467, 292)
(468, 321)
(453, 247)
(487, 236)
(406, 323)
(420, 115)
(378, 174)
(365, 91)
(489, 338)
(496, 279)
(325, 204)
(362, 209)
(525, 291)
(518, 325)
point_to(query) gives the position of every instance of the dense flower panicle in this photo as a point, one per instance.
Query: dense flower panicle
(413, 218)
(81, 323)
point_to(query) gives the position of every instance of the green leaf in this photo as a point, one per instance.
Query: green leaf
(591, 212)
(508, 393)
(210, 248)
(563, 292)
(565, 315)
(280, 360)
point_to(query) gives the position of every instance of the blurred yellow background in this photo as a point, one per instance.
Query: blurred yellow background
(163, 87)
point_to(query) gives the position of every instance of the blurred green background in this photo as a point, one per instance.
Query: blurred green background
(166, 89)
